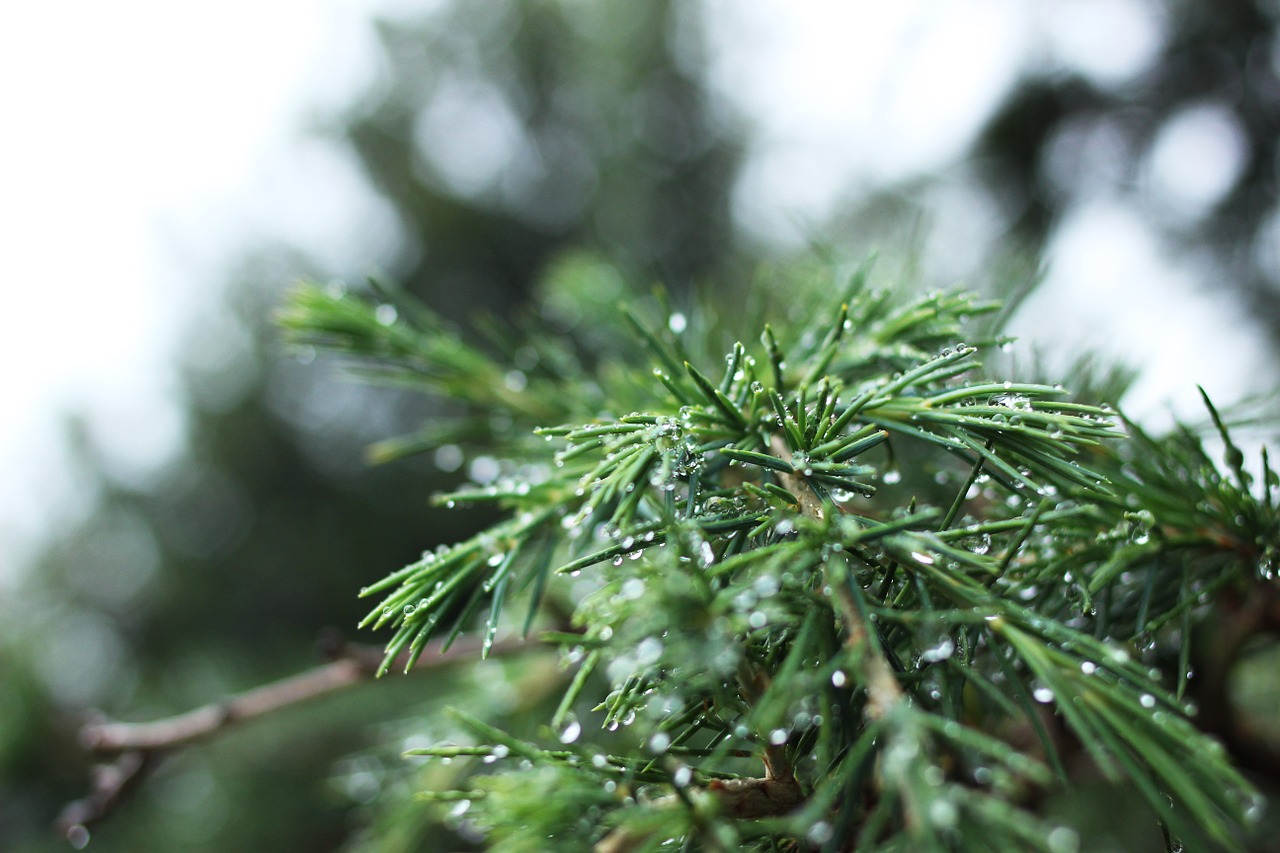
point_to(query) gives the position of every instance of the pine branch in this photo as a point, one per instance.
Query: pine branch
(761, 586)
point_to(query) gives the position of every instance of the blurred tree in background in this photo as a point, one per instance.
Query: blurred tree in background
(504, 136)
(1191, 141)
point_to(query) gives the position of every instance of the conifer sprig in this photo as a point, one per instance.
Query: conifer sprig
(830, 586)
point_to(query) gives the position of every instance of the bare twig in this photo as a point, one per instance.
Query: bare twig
(110, 782)
(350, 665)
(136, 746)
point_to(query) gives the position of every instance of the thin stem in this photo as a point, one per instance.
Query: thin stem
(134, 747)
(351, 665)
(883, 689)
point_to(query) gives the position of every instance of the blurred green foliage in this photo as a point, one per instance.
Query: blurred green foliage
(502, 134)
(220, 572)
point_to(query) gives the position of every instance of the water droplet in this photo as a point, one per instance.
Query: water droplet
(1062, 839)
(385, 314)
(682, 777)
(838, 678)
(515, 381)
(821, 832)
(766, 585)
(943, 813)
(892, 477)
(941, 651)
(1147, 700)
(484, 470)
(677, 323)
(78, 837)
(778, 737)
(1043, 695)
(648, 651)
(571, 730)
(1088, 667)
(659, 742)
(448, 457)
(923, 559)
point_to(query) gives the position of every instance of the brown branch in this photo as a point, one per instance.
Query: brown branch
(135, 746)
(753, 682)
(883, 689)
(350, 665)
(109, 784)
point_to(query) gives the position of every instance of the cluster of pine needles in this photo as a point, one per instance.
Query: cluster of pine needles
(820, 582)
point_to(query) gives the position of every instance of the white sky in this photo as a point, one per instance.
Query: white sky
(144, 138)
(851, 94)
(127, 122)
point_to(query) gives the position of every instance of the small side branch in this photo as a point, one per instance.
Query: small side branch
(134, 747)
(349, 665)
(110, 782)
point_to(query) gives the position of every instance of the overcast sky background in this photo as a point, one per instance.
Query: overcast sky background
(147, 140)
